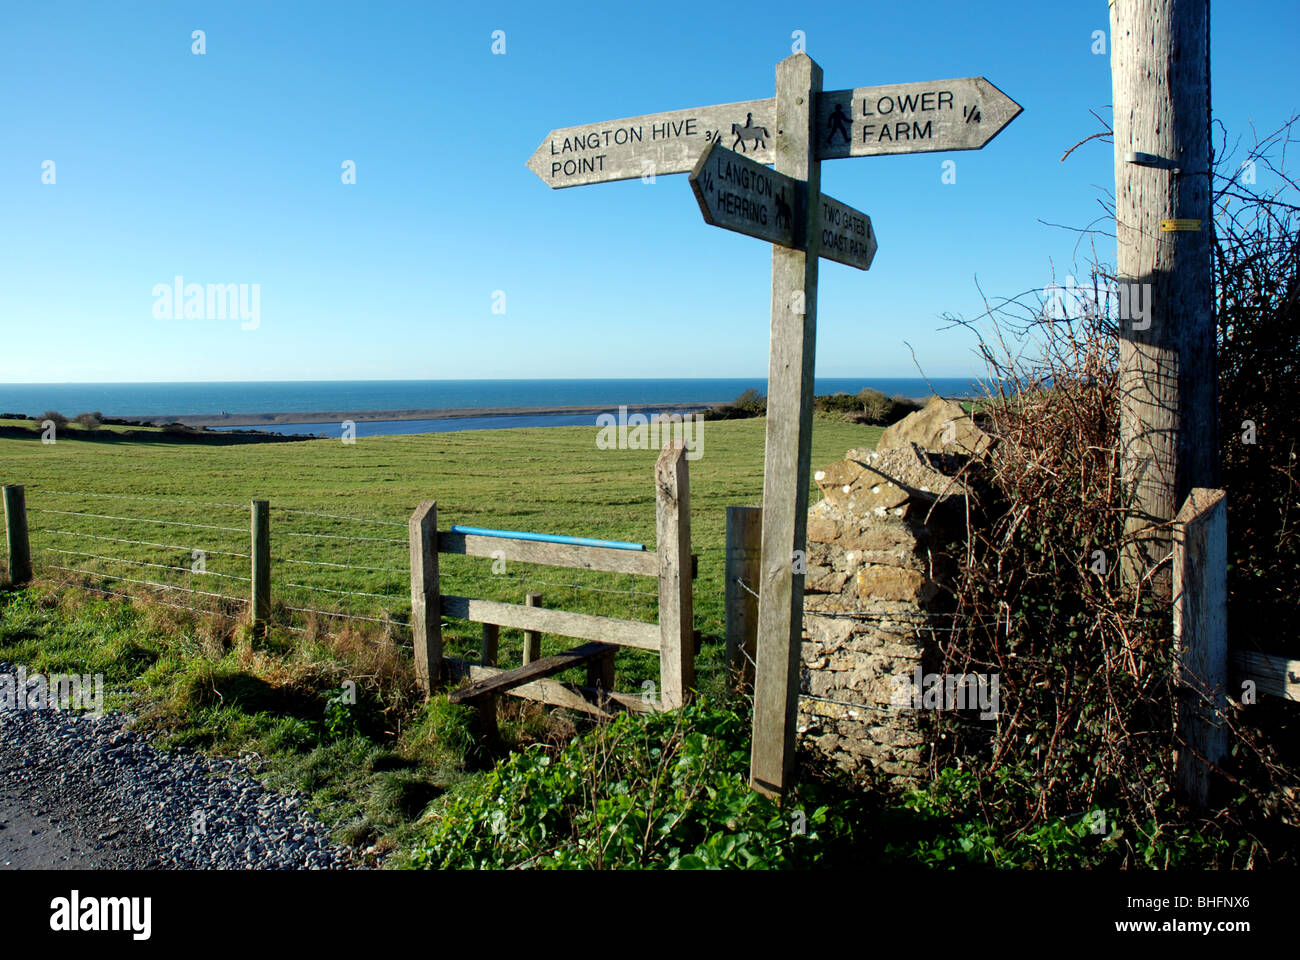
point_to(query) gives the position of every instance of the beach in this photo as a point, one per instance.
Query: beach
(363, 416)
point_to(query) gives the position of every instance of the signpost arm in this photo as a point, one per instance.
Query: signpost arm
(788, 450)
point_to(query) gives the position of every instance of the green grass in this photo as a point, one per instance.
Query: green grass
(551, 480)
(373, 770)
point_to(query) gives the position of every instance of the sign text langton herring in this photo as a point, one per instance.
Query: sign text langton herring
(739, 194)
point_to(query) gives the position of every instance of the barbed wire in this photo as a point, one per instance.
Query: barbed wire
(916, 618)
(337, 536)
(147, 583)
(145, 563)
(117, 496)
(323, 563)
(131, 596)
(145, 543)
(335, 516)
(167, 523)
(845, 703)
(525, 579)
(345, 593)
(217, 613)
(350, 616)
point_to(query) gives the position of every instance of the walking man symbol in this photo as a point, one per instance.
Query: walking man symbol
(839, 124)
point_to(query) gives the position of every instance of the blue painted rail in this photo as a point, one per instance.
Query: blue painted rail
(548, 538)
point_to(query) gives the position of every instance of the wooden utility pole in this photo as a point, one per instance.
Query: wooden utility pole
(788, 448)
(1160, 71)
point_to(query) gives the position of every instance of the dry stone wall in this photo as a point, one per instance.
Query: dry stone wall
(876, 583)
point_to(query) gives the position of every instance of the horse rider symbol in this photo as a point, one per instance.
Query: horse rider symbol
(748, 132)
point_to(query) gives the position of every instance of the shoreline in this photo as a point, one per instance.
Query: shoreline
(361, 416)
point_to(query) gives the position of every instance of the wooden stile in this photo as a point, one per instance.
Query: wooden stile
(491, 642)
(598, 703)
(504, 681)
(600, 670)
(581, 626)
(674, 636)
(676, 601)
(603, 559)
(426, 613)
(532, 638)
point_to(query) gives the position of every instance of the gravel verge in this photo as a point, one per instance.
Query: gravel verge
(80, 791)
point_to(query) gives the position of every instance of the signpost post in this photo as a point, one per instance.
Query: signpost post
(725, 149)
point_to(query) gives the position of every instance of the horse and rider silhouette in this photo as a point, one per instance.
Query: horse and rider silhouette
(782, 210)
(748, 132)
(838, 122)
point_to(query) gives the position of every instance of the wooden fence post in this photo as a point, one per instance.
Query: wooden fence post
(261, 563)
(532, 638)
(744, 542)
(1200, 541)
(491, 645)
(676, 604)
(20, 551)
(600, 672)
(426, 600)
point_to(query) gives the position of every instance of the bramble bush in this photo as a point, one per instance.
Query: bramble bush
(658, 790)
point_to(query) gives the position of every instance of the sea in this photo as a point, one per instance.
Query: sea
(155, 400)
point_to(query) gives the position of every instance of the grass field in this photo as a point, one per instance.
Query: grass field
(87, 497)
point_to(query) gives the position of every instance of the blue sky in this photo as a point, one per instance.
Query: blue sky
(226, 168)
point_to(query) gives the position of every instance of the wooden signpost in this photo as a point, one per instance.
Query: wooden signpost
(725, 148)
(740, 194)
(658, 143)
(962, 114)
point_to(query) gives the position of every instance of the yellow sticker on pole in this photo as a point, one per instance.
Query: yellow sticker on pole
(1170, 226)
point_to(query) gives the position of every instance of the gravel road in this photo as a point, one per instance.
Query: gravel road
(80, 791)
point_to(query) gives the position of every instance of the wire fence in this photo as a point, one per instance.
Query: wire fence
(329, 569)
(205, 556)
(920, 621)
(326, 567)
